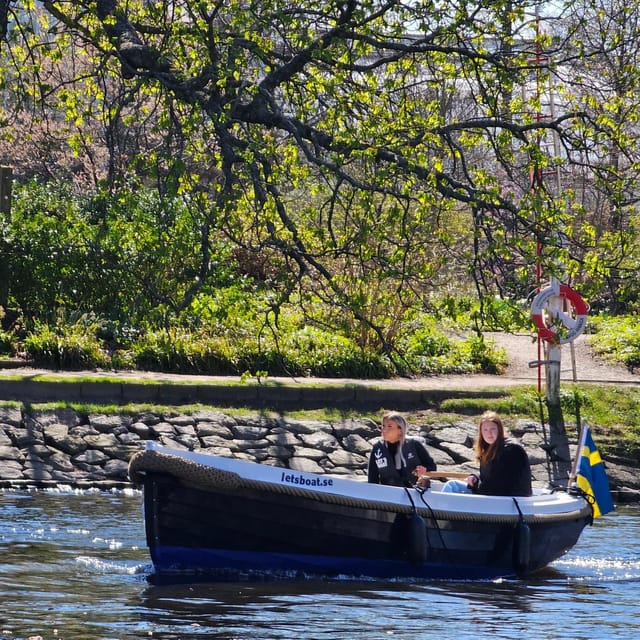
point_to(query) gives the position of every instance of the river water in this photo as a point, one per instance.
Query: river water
(74, 565)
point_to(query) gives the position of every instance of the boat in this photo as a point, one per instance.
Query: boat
(223, 519)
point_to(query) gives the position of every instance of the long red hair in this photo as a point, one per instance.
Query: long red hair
(485, 452)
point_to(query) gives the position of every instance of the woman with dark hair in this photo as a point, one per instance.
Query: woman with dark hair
(504, 464)
(396, 459)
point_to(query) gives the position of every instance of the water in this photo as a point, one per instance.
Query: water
(75, 566)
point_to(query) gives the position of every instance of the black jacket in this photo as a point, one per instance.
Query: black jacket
(382, 467)
(508, 474)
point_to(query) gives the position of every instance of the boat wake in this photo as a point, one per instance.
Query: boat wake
(591, 569)
(100, 566)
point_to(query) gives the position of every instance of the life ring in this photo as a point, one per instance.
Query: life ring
(572, 327)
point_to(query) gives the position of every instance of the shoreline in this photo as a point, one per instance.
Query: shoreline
(42, 448)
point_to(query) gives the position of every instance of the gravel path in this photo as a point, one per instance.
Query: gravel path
(578, 362)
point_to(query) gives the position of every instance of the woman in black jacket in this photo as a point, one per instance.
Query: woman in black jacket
(504, 464)
(396, 459)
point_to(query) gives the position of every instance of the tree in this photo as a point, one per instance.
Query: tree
(604, 84)
(348, 141)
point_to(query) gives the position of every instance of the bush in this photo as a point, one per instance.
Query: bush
(239, 345)
(483, 355)
(66, 346)
(428, 350)
(179, 351)
(324, 354)
(617, 339)
(7, 347)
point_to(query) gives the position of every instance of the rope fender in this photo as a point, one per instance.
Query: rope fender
(207, 478)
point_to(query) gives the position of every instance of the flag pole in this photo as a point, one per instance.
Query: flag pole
(576, 459)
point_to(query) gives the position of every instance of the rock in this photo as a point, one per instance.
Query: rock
(302, 427)
(313, 454)
(101, 441)
(441, 458)
(37, 471)
(57, 436)
(106, 424)
(65, 416)
(60, 462)
(163, 428)
(247, 432)
(243, 445)
(283, 438)
(36, 451)
(269, 453)
(206, 429)
(213, 441)
(363, 429)
(11, 416)
(10, 453)
(116, 469)
(356, 443)
(190, 442)
(305, 465)
(346, 458)
(24, 437)
(128, 438)
(11, 470)
(91, 457)
(319, 440)
(180, 420)
(214, 417)
(461, 433)
(141, 429)
(459, 453)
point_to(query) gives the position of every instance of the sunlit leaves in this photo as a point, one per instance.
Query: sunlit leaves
(363, 145)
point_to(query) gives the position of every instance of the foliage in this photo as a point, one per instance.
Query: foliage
(7, 345)
(48, 252)
(234, 348)
(617, 339)
(129, 258)
(316, 155)
(334, 152)
(66, 346)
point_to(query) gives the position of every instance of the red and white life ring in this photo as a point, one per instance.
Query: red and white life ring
(571, 325)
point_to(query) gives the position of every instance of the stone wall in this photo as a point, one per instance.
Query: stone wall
(64, 447)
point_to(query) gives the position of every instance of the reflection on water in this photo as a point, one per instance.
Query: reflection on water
(74, 565)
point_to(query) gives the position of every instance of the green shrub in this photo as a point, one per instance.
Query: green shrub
(322, 353)
(7, 346)
(180, 351)
(617, 340)
(428, 350)
(483, 355)
(308, 352)
(66, 346)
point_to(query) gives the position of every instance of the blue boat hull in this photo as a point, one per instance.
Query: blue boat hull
(246, 532)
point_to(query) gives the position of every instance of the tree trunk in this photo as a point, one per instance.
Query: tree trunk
(6, 179)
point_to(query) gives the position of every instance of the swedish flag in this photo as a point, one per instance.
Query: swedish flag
(590, 474)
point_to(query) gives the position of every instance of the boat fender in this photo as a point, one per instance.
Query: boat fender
(417, 547)
(521, 544)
